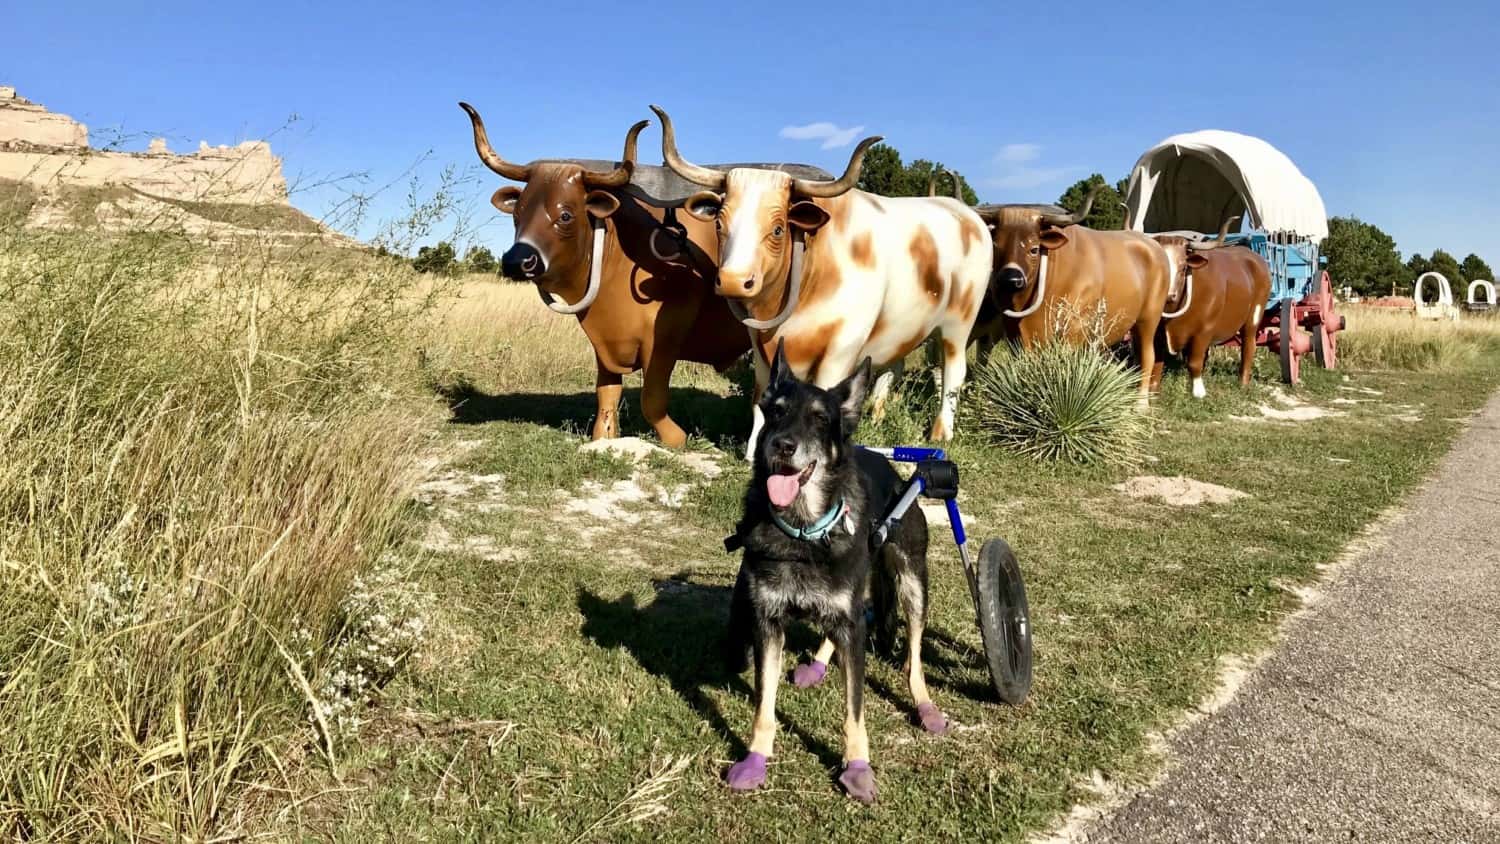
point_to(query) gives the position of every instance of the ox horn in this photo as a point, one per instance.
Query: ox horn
(1223, 233)
(958, 184)
(620, 175)
(813, 189)
(487, 154)
(1061, 220)
(712, 179)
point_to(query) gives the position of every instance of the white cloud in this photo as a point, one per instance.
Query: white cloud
(1017, 153)
(1018, 167)
(830, 134)
(1027, 178)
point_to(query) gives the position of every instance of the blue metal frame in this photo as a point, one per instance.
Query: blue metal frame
(916, 454)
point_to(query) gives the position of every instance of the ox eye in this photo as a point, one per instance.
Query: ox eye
(1035, 250)
(777, 232)
(565, 217)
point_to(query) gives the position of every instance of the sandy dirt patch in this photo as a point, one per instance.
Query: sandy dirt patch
(1177, 491)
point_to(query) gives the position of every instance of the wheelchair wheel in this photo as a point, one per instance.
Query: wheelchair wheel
(1004, 621)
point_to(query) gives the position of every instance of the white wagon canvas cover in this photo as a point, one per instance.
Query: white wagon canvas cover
(1196, 180)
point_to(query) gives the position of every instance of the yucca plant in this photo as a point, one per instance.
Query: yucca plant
(1060, 401)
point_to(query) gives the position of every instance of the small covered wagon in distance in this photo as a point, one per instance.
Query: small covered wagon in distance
(1192, 183)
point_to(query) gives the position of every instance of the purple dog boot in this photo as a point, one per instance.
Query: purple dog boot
(858, 780)
(933, 720)
(747, 774)
(809, 674)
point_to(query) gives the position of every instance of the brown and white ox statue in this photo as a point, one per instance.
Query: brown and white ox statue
(1218, 292)
(840, 274)
(1053, 276)
(602, 250)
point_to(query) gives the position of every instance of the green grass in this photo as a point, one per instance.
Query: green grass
(587, 701)
(226, 614)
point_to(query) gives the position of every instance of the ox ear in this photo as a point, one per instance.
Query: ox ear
(601, 203)
(1054, 239)
(505, 198)
(850, 394)
(704, 205)
(806, 215)
(1196, 261)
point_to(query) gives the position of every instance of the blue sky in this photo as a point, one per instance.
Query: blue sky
(1393, 112)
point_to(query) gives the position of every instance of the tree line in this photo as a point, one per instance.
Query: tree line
(442, 259)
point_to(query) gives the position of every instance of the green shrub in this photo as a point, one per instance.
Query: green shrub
(1057, 402)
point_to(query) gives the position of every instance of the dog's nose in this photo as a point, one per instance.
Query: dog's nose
(783, 446)
(522, 262)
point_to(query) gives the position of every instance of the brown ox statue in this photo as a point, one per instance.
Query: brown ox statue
(1044, 259)
(840, 274)
(1218, 292)
(601, 249)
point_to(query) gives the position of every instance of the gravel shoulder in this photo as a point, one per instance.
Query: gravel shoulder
(1377, 715)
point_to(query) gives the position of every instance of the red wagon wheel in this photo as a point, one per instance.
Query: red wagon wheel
(1286, 342)
(1325, 333)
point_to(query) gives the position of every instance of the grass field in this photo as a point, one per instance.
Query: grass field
(578, 693)
(303, 545)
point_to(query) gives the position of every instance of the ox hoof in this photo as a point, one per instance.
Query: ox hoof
(809, 674)
(933, 720)
(858, 780)
(747, 774)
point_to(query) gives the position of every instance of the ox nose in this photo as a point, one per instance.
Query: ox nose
(522, 262)
(1013, 276)
(734, 285)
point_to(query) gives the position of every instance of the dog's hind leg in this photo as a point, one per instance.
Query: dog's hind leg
(911, 590)
(750, 773)
(857, 778)
(737, 641)
(811, 673)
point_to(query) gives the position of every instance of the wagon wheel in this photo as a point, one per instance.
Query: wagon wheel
(1290, 367)
(1325, 337)
(1004, 621)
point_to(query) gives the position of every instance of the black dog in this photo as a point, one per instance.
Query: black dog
(813, 501)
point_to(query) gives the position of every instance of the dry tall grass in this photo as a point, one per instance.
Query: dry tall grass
(498, 335)
(200, 480)
(1379, 338)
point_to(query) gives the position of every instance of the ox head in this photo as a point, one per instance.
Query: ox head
(555, 210)
(1183, 257)
(756, 212)
(1021, 234)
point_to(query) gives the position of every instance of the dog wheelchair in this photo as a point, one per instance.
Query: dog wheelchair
(994, 581)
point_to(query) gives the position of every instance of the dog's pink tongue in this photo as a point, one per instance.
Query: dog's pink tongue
(783, 489)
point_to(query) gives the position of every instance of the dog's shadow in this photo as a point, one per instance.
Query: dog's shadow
(681, 637)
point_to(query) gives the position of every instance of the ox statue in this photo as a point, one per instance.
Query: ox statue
(1218, 292)
(1052, 275)
(840, 274)
(601, 249)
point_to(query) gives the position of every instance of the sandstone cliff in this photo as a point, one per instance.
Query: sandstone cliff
(53, 179)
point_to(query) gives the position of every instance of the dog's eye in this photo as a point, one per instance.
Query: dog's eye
(819, 417)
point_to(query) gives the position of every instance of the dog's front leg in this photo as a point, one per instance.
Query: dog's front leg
(750, 773)
(857, 778)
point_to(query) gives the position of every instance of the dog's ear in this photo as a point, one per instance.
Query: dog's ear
(851, 394)
(780, 371)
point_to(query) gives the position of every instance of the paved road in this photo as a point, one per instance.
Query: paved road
(1377, 718)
